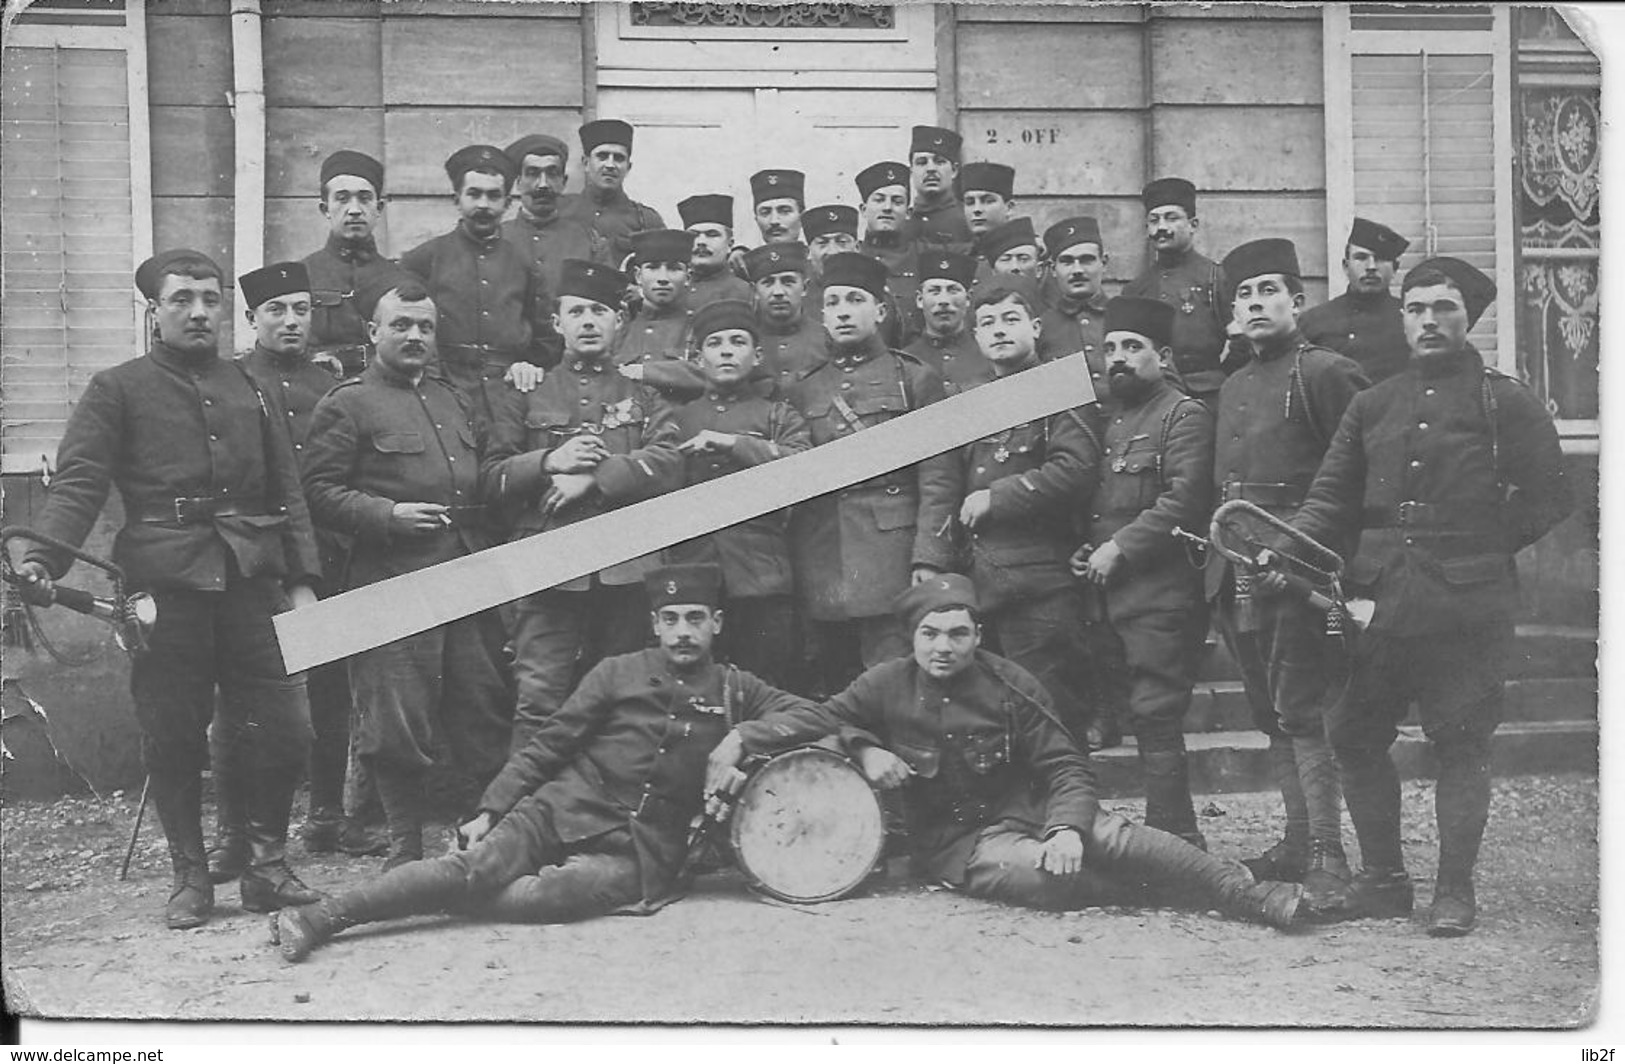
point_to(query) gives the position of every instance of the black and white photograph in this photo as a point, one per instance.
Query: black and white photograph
(874, 516)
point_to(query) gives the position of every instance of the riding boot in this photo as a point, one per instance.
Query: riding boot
(1461, 802)
(228, 765)
(1326, 877)
(1168, 806)
(269, 884)
(1169, 866)
(418, 887)
(177, 797)
(1288, 859)
(329, 690)
(1371, 789)
(401, 792)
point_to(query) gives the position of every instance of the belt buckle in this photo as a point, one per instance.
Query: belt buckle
(184, 512)
(1405, 510)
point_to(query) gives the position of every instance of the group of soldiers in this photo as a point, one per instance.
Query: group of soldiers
(969, 627)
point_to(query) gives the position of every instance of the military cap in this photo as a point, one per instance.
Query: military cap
(778, 184)
(1012, 234)
(854, 270)
(1378, 239)
(268, 282)
(830, 218)
(948, 266)
(606, 131)
(378, 284)
(780, 257)
(1170, 192)
(1151, 318)
(948, 591)
(724, 314)
(661, 245)
(1477, 290)
(593, 280)
(881, 175)
(707, 210)
(149, 276)
(936, 141)
(537, 144)
(684, 585)
(1257, 258)
(996, 178)
(1069, 231)
(355, 164)
(482, 157)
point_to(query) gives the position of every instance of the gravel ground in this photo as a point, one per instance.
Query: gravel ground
(79, 943)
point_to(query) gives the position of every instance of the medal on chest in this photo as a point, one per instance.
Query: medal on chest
(1187, 306)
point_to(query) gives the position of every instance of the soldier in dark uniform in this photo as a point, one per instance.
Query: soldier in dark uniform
(586, 442)
(1364, 322)
(592, 815)
(1014, 495)
(659, 330)
(216, 528)
(603, 205)
(1276, 415)
(1012, 249)
(352, 202)
(853, 547)
(793, 339)
(830, 230)
(710, 218)
(1076, 321)
(987, 193)
(1157, 477)
(948, 344)
(487, 293)
(1000, 802)
(936, 219)
(728, 428)
(883, 192)
(780, 196)
(1442, 472)
(279, 305)
(1189, 282)
(539, 229)
(393, 462)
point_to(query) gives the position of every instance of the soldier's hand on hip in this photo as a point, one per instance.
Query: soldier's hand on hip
(1062, 854)
(524, 376)
(35, 583)
(578, 454)
(977, 505)
(475, 830)
(418, 518)
(883, 768)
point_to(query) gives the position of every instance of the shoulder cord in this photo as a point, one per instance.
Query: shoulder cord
(729, 679)
(267, 452)
(1296, 386)
(1491, 415)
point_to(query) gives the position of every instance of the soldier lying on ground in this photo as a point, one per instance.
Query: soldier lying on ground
(1000, 802)
(592, 815)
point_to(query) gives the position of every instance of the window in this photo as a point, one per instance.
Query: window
(77, 213)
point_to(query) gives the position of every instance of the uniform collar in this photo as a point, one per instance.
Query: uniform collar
(650, 312)
(1071, 307)
(951, 340)
(485, 244)
(286, 363)
(360, 252)
(789, 328)
(583, 364)
(1185, 258)
(1435, 366)
(1159, 388)
(872, 348)
(535, 220)
(886, 240)
(607, 197)
(377, 370)
(165, 355)
(1294, 344)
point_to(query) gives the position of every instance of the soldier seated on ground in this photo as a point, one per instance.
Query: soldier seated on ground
(1000, 802)
(592, 816)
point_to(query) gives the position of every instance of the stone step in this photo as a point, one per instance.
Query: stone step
(1227, 761)
(1542, 651)
(1221, 705)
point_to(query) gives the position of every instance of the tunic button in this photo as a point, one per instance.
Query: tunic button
(298, 446)
(451, 458)
(1416, 463)
(213, 437)
(485, 280)
(981, 469)
(1427, 391)
(284, 384)
(846, 384)
(1421, 424)
(208, 402)
(721, 408)
(583, 400)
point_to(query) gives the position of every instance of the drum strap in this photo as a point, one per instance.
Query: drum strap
(729, 680)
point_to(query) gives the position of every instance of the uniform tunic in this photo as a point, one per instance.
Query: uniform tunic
(655, 334)
(613, 216)
(1194, 286)
(1070, 327)
(377, 440)
(901, 258)
(491, 304)
(548, 243)
(1370, 330)
(941, 227)
(956, 358)
(618, 771)
(1157, 475)
(789, 351)
(301, 382)
(852, 547)
(1442, 472)
(985, 747)
(338, 271)
(215, 522)
(719, 285)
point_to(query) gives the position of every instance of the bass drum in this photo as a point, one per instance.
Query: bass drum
(807, 827)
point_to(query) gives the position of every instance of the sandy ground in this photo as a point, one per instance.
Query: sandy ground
(80, 943)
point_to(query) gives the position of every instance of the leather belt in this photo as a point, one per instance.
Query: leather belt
(1435, 517)
(197, 510)
(463, 516)
(481, 351)
(1280, 496)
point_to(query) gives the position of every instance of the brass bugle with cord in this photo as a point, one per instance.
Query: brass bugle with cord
(131, 615)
